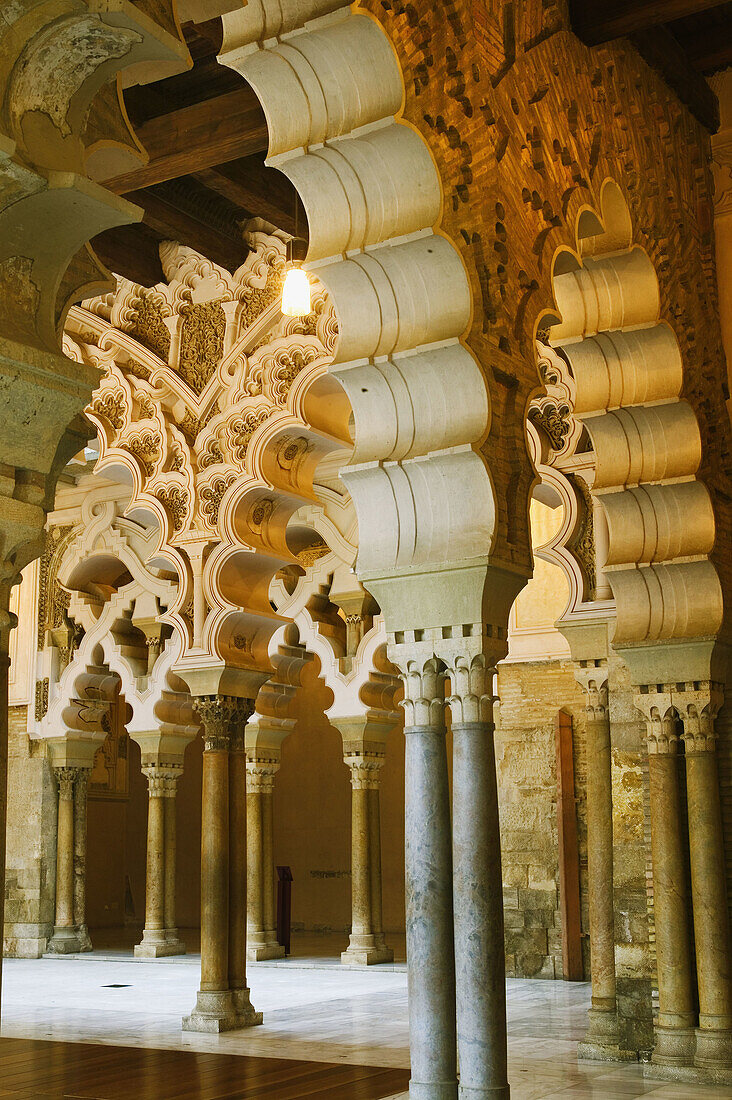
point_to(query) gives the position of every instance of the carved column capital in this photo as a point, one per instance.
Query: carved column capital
(592, 677)
(162, 781)
(365, 768)
(472, 689)
(224, 718)
(65, 778)
(260, 775)
(662, 721)
(423, 678)
(698, 706)
(680, 710)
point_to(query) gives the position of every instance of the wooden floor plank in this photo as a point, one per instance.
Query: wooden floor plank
(31, 1069)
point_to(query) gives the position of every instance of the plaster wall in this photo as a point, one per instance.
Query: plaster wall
(116, 841)
(312, 815)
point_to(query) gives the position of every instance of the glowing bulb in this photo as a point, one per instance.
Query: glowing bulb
(296, 293)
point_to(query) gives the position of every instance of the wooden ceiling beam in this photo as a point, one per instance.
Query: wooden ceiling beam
(260, 191)
(169, 222)
(596, 21)
(661, 51)
(197, 137)
(707, 49)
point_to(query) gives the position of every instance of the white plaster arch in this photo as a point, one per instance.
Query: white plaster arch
(647, 443)
(332, 92)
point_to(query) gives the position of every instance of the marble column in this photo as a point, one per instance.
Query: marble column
(65, 939)
(366, 944)
(261, 924)
(674, 1031)
(428, 880)
(708, 889)
(80, 813)
(238, 869)
(160, 935)
(480, 968)
(602, 1039)
(219, 1007)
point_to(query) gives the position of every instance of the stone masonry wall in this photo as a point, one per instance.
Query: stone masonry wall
(31, 855)
(531, 694)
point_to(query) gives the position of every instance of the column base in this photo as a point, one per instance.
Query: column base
(502, 1092)
(714, 1049)
(245, 1010)
(223, 1010)
(261, 952)
(437, 1090)
(675, 1046)
(692, 1075)
(602, 1040)
(85, 943)
(366, 951)
(159, 944)
(64, 941)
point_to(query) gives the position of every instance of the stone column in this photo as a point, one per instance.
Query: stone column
(171, 858)
(160, 935)
(261, 927)
(238, 869)
(675, 1040)
(708, 885)
(601, 1040)
(480, 968)
(366, 945)
(218, 1006)
(428, 872)
(65, 939)
(80, 800)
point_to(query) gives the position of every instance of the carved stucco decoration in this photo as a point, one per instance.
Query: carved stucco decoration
(483, 89)
(53, 599)
(114, 654)
(216, 438)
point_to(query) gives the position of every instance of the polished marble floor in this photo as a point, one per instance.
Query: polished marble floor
(312, 1012)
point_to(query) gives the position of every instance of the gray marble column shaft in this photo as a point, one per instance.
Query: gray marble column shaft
(480, 972)
(430, 947)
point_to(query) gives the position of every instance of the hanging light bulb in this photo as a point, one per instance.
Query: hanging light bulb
(296, 293)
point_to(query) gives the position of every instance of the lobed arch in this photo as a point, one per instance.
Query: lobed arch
(116, 602)
(647, 444)
(332, 91)
(204, 409)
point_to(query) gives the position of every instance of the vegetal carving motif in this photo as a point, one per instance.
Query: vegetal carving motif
(243, 428)
(211, 497)
(111, 405)
(149, 327)
(174, 499)
(146, 449)
(201, 343)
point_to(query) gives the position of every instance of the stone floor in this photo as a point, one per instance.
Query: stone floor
(313, 1012)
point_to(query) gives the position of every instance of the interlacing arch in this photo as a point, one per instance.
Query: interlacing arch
(219, 411)
(332, 91)
(120, 646)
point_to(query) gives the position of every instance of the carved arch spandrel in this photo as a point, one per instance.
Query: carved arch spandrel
(221, 463)
(332, 94)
